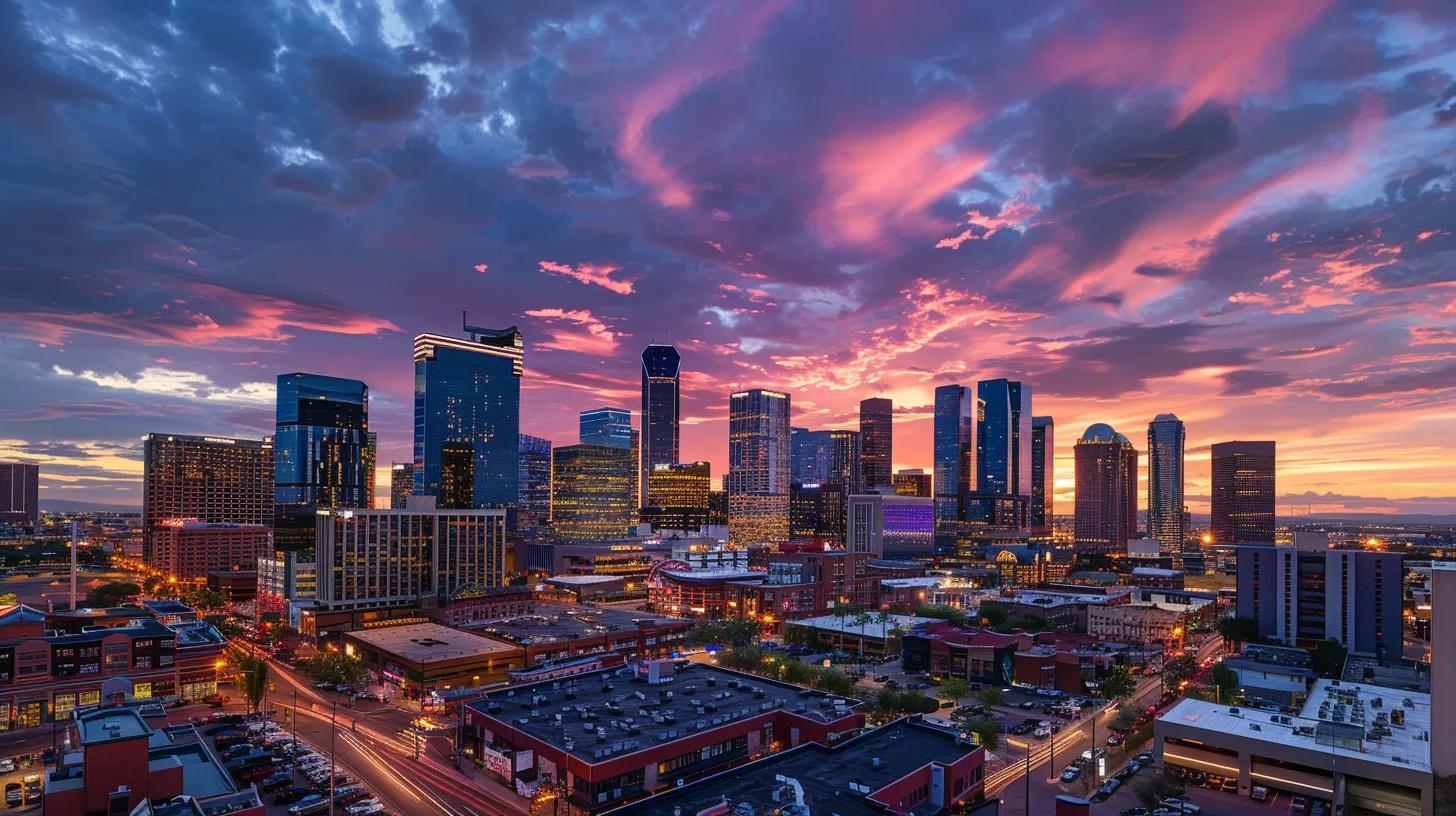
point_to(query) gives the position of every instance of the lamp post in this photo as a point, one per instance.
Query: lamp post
(1025, 746)
(333, 744)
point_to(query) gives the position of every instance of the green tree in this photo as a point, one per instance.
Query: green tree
(1124, 720)
(833, 681)
(114, 593)
(797, 672)
(954, 688)
(1180, 668)
(862, 619)
(993, 614)
(204, 599)
(253, 679)
(743, 658)
(1152, 791)
(987, 731)
(990, 696)
(1118, 683)
(1237, 631)
(945, 612)
(1329, 658)
(1226, 680)
(333, 667)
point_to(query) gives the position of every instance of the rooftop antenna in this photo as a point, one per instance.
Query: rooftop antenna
(464, 323)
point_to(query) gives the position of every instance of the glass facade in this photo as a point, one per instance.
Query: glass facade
(606, 426)
(661, 410)
(758, 467)
(954, 448)
(810, 457)
(1043, 445)
(1003, 438)
(468, 417)
(877, 448)
(1242, 506)
(677, 495)
(591, 492)
(401, 483)
(1106, 487)
(19, 491)
(321, 453)
(535, 476)
(1165, 483)
(207, 478)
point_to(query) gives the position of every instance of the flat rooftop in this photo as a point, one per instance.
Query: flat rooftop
(568, 713)
(1331, 702)
(825, 774)
(426, 642)
(584, 580)
(872, 628)
(556, 623)
(109, 724)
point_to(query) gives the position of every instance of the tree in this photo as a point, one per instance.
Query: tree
(1124, 720)
(945, 612)
(204, 598)
(1226, 680)
(732, 632)
(1180, 668)
(993, 614)
(1329, 658)
(333, 667)
(987, 731)
(1118, 683)
(954, 688)
(1237, 631)
(797, 672)
(1154, 790)
(743, 658)
(114, 593)
(862, 618)
(833, 681)
(990, 696)
(253, 679)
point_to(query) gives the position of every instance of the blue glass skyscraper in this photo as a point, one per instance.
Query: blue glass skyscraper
(809, 459)
(468, 417)
(606, 426)
(954, 448)
(661, 411)
(1003, 438)
(321, 456)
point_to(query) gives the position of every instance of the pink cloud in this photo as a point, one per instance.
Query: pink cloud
(576, 330)
(481, 268)
(537, 167)
(596, 274)
(979, 227)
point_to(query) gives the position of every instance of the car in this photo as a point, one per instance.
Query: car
(33, 789)
(1145, 758)
(1259, 793)
(13, 796)
(1298, 805)
(1134, 811)
(346, 799)
(278, 781)
(7, 765)
(1087, 754)
(1042, 732)
(1123, 774)
(1105, 790)
(1181, 806)
(364, 808)
(323, 685)
(1071, 774)
(1114, 740)
(1027, 704)
(1230, 784)
(882, 678)
(214, 700)
(343, 688)
(256, 773)
(312, 803)
(290, 795)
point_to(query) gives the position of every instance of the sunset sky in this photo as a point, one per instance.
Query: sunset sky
(1239, 212)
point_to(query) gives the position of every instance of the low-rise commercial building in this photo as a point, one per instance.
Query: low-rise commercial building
(552, 631)
(1137, 623)
(1074, 664)
(604, 738)
(976, 655)
(866, 632)
(1274, 674)
(1155, 578)
(418, 658)
(1366, 749)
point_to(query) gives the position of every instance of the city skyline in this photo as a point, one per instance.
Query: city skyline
(873, 228)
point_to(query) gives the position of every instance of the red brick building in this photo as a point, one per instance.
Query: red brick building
(188, 549)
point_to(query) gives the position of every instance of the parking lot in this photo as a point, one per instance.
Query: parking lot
(292, 778)
(22, 781)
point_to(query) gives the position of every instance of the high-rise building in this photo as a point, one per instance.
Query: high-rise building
(188, 550)
(606, 426)
(371, 463)
(677, 496)
(19, 493)
(1165, 483)
(912, 482)
(468, 417)
(718, 508)
(419, 555)
(846, 453)
(1003, 438)
(1242, 509)
(757, 482)
(817, 512)
(954, 443)
(809, 460)
(204, 478)
(321, 453)
(891, 526)
(401, 484)
(1106, 485)
(591, 491)
(535, 478)
(877, 438)
(1303, 593)
(1043, 472)
(661, 411)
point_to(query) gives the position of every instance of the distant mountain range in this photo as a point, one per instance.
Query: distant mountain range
(71, 506)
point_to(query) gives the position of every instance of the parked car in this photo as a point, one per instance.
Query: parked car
(1145, 758)
(13, 796)
(1042, 732)
(33, 789)
(1071, 774)
(291, 795)
(1176, 805)
(7, 765)
(1027, 704)
(1259, 793)
(255, 773)
(1298, 805)
(364, 808)
(1115, 740)
(278, 781)
(1106, 789)
(1134, 811)
(312, 803)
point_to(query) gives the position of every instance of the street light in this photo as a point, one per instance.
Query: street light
(1026, 746)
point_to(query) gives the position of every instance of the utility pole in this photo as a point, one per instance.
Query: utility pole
(333, 744)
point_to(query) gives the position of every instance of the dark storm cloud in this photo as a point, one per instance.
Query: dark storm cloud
(1246, 381)
(1138, 148)
(366, 90)
(1120, 360)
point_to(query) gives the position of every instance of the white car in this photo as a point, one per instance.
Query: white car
(7, 765)
(364, 808)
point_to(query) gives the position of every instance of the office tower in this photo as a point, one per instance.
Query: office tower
(1043, 472)
(846, 455)
(1165, 483)
(1243, 493)
(661, 410)
(634, 448)
(1106, 485)
(912, 482)
(204, 478)
(1003, 438)
(320, 453)
(371, 462)
(468, 417)
(591, 491)
(718, 508)
(606, 426)
(1443, 666)
(1303, 593)
(887, 525)
(876, 431)
(188, 550)
(810, 456)
(19, 493)
(677, 496)
(954, 443)
(817, 512)
(418, 555)
(401, 484)
(758, 467)
(534, 470)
